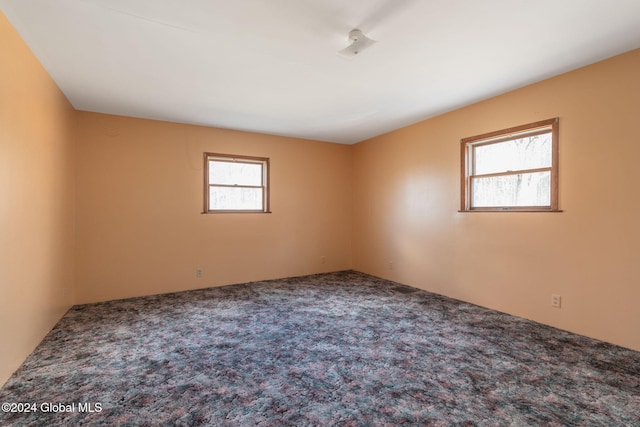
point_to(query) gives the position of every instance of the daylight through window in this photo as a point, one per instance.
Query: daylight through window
(235, 183)
(512, 169)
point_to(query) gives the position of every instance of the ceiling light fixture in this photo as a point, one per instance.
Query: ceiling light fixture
(358, 41)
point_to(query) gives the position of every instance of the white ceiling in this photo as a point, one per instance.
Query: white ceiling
(272, 66)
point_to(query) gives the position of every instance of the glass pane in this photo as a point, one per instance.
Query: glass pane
(526, 189)
(230, 173)
(232, 198)
(531, 152)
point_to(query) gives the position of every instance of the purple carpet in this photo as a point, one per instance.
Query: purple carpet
(343, 349)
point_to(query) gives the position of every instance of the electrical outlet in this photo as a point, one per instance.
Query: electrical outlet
(556, 300)
(199, 273)
(390, 265)
(322, 259)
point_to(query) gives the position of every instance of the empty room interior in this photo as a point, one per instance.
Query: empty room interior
(372, 275)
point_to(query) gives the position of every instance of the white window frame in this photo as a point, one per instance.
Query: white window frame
(467, 174)
(232, 158)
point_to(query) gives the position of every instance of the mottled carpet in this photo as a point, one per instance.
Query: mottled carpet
(341, 349)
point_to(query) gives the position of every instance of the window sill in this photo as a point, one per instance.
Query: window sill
(511, 210)
(235, 212)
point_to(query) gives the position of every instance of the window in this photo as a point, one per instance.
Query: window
(235, 183)
(513, 169)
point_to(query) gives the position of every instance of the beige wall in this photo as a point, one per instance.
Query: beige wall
(139, 224)
(36, 202)
(406, 196)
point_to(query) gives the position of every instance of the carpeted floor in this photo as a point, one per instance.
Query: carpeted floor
(341, 349)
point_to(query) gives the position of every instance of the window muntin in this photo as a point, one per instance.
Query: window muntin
(236, 183)
(512, 169)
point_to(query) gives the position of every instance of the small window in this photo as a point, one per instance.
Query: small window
(514, 169)
(235, 183)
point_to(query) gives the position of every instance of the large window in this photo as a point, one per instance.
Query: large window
(235, 183)
(514, 169)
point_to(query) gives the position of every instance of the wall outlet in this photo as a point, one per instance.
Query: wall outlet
(390, 265)
(322, 259)
(556, 300)
(199, 273)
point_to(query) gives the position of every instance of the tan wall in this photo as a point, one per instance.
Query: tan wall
(406, 196)
(139, 223)
(36, 202)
